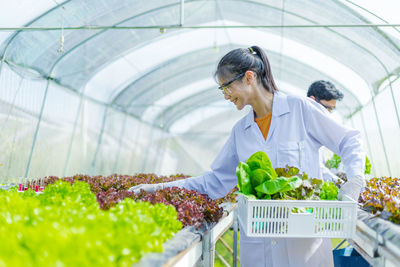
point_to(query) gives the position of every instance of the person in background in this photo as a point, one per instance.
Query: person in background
(288, 129)
(326, 94)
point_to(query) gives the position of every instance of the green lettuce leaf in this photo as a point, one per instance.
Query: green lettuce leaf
(259, 176)
(280, 184)
(287, 171)
(260, 160)
(243, 175)
(329, 191)
(367, 166)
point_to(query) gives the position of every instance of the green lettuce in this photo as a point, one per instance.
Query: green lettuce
(258, 179)
(329, 191)
(260, 160)
(243, 175)
(280, 184)
(367, 166)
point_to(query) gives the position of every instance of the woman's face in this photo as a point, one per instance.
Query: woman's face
(238, 91)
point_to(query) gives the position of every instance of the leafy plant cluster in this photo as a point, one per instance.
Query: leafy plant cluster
(192, 207)
(333, 163)
(382, 197)
(118, 182)
(64, 226)
(258, 179)
(329, 191)
(230, 197)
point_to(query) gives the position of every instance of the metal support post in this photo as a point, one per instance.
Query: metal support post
(99, 141)
(208, 250)
(122, 133)
(71, 142)
(182, 17)
(28, 167)
(235, 237)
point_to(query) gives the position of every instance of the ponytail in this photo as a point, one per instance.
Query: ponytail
(241, 60)
(265, 70)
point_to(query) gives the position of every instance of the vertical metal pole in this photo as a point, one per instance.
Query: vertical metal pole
(99, 140)
(160, 151)
(120, 143)
(165, 148)
(1, 65)
(28, 167)
(381, 137)
(144, 165)
(182, 17)
(235, 237)
(207, 250)
(371, 155)
(133, 150)
(10, 160)
(73, 135)
(394, 102)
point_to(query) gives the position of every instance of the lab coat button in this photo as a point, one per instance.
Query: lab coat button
(273, 242)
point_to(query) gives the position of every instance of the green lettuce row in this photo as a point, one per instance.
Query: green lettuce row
(64, 226)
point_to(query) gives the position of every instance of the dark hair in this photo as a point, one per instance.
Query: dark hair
(241, 60)
(324, 90)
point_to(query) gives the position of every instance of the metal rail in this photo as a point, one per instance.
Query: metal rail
(98, 27)
(202, 250)
(375, 244)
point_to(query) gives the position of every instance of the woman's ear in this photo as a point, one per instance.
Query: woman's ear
(250, 77)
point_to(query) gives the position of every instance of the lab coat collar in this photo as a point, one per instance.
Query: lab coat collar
(280, 106)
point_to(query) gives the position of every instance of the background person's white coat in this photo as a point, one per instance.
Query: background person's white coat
(298, 129)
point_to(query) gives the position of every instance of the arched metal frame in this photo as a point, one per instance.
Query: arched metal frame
(55, 64)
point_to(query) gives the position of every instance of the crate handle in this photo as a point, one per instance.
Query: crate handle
(301, 211)
(301, 214)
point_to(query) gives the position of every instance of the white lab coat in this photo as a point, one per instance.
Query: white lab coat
(298, 129)
(326, 174)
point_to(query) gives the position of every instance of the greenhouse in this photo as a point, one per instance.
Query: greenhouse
(200, 133)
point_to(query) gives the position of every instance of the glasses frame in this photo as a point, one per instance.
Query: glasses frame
(330, 109)
(224, 87)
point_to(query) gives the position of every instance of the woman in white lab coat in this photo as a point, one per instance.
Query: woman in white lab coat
(290, 130)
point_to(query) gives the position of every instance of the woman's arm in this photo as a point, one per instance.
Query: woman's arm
(342, 140)
(222, 177)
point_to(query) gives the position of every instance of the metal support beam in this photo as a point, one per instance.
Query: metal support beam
(182, 17)
(371, 155)
(199, 27)
(235, 237)
(208, 250)
(28, 167)
(381, 137)
(99, 141)
(78, 112)
(137, 138)
(148, 154)
(120, 143)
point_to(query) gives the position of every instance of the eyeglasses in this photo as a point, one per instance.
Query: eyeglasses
(330, 109)
(224, 87)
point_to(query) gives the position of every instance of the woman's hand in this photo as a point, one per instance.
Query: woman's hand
(149, 188)
(351, 189)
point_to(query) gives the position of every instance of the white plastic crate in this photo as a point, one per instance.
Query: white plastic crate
(275, 218)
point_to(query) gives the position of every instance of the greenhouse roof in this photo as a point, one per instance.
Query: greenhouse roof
(134, 55)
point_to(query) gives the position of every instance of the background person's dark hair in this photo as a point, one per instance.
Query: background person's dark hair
(241, 60)
(324, 90)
